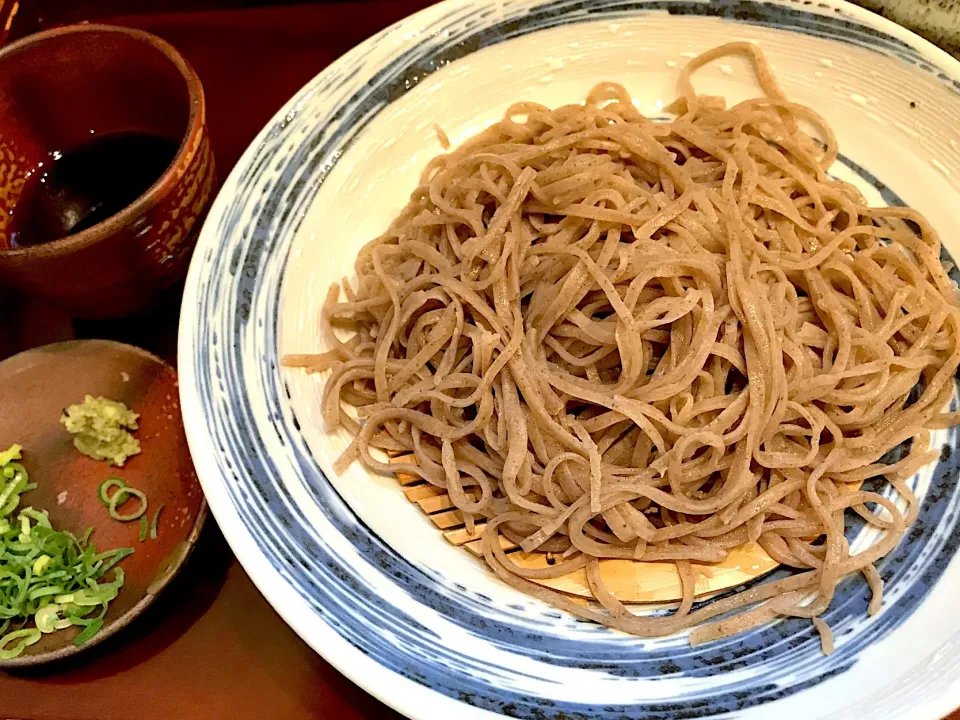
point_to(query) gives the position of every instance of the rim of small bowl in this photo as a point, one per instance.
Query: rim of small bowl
(413, 700)
(194, 126)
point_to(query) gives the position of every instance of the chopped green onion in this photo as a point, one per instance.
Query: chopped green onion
(104, 489)
(8, 456)
(10, 496)
(19, 471)
(120, 497)
(88, 632)
(153, 525)
(11, 505)
(39, 517)
(112, 557)
(78, 614)
(47, 617)
(104, 594)
(28, 637)
(41, 564)
(42, 592)
(49, 577)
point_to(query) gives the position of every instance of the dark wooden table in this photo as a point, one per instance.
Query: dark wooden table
(211, 647)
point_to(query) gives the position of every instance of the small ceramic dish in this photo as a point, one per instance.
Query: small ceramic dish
(35, 387)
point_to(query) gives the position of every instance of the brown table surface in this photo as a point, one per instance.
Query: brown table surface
(211, 647)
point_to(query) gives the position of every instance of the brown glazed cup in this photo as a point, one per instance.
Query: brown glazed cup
(56, 89)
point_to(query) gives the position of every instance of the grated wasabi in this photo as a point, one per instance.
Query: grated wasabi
(101, 429)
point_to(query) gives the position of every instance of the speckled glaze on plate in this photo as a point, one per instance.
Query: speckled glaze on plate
(357, 571)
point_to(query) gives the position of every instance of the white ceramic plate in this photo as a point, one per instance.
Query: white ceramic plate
(357, 571)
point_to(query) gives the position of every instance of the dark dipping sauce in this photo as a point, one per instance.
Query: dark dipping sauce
(84, 186)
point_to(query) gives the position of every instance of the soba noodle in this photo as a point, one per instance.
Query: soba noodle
(610, 337)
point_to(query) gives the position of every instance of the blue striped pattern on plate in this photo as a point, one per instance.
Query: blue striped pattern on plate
(387, 622)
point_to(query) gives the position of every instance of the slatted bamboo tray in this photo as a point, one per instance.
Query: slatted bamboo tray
(629, 581)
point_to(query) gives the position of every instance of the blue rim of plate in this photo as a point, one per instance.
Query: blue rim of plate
(247, 440)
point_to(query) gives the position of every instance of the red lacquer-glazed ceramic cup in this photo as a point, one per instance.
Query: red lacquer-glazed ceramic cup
(57, 90)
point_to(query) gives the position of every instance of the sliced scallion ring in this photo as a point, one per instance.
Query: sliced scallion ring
(20, 473)
(9, 648)
(120, 497)
(103, 492)
(47, 618)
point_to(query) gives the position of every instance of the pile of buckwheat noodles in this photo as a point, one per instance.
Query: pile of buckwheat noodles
(609, 337)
